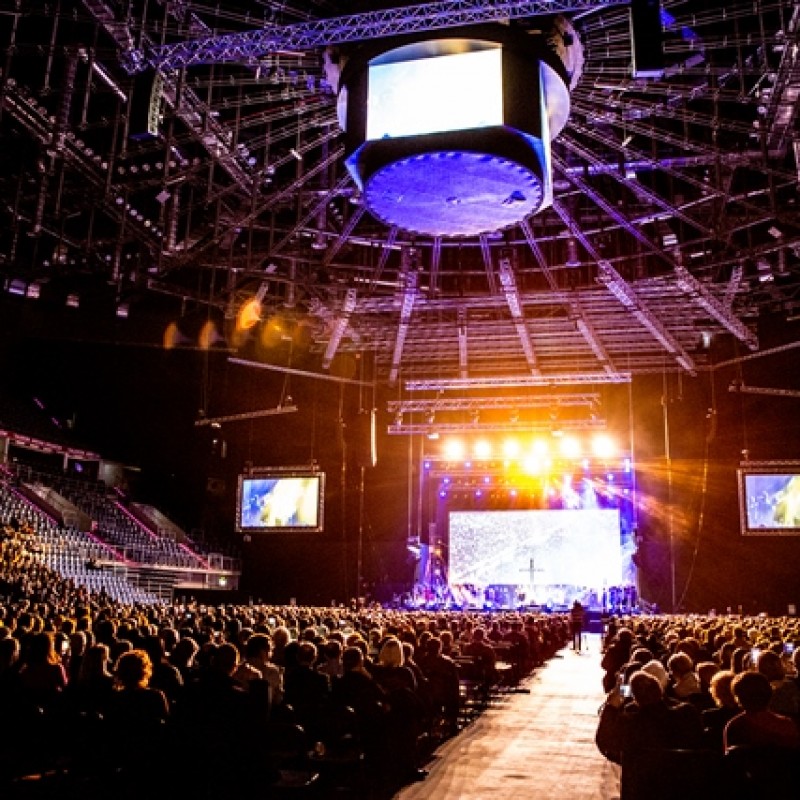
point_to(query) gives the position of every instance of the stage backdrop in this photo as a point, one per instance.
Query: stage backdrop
(547, 550)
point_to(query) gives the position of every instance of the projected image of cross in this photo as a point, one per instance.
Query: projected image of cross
(531, 570)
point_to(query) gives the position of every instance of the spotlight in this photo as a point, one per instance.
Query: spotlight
(570, 447)
(482, 449)
(511, 448)
(454, 449)
(603, 446)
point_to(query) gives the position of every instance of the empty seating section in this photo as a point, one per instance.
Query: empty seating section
(69, 553)
(116, 526)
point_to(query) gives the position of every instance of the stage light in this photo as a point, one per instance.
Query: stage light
(586, 464)
(540, 448)
(427, 465)
(454, 449)
(250, 313)
(570, 447)
(603, 446)
(531, 465)
(174, 337)
(487, 479)
(443, 493)
(627, 465)
(482, 449)
(511, 448)
(209, 336)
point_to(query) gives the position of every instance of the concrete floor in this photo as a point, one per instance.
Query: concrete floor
(533, 746)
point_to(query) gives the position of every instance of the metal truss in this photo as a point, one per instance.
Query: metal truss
(263, 412)
(494, 403)
(250, 46)
(529, 426)
(247, 184)
(506, 382)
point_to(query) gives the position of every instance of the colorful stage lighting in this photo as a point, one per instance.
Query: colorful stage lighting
(532, 465)
(454, 449)
(511, 448)
(540, 448)
(570, 447)
(482, 449)
(603, 446)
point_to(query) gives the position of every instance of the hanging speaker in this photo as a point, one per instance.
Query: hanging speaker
(647, 39)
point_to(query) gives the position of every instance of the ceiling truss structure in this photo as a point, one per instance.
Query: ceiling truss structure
(675, 216)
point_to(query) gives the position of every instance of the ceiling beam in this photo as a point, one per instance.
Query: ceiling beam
(250, 46)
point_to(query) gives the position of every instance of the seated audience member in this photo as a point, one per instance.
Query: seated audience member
(726, 708)
(785, 693)
(406, 710)
(165, 676)
(93, 687)
(641, 655)
(331, 663)
(305, 689)
(357, 689)
(443, 680)
(649, 722)
(390, 670)
(758, 726)
(706, 670)
(134, 701)
(684, 684)
(617, 654)
(659, 672)
(740, 659)
(256, 665)
(183, 658)
(483, 653)
(42, 676)
(9, 666)
(280, 639)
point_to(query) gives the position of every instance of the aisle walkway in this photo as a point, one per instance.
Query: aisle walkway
(533, 746)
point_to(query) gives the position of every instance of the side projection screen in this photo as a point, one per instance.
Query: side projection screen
(769, 500)
(280, 503)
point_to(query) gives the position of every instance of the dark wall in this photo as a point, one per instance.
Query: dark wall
(711, 430)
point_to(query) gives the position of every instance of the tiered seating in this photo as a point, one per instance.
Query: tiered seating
(70, 554)
(119, 528)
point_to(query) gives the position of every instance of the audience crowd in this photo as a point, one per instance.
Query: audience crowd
(710, 701)
(102, 696)
(115, 695)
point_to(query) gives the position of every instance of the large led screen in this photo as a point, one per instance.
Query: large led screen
(769, 501)
(536, 548)
(430, 95)
(278, 503)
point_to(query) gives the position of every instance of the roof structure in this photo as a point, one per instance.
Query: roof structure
(188, 154)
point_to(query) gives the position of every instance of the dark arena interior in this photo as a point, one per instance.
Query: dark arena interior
(387, 386)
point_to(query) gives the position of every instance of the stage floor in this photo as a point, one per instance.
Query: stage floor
(538, 745)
